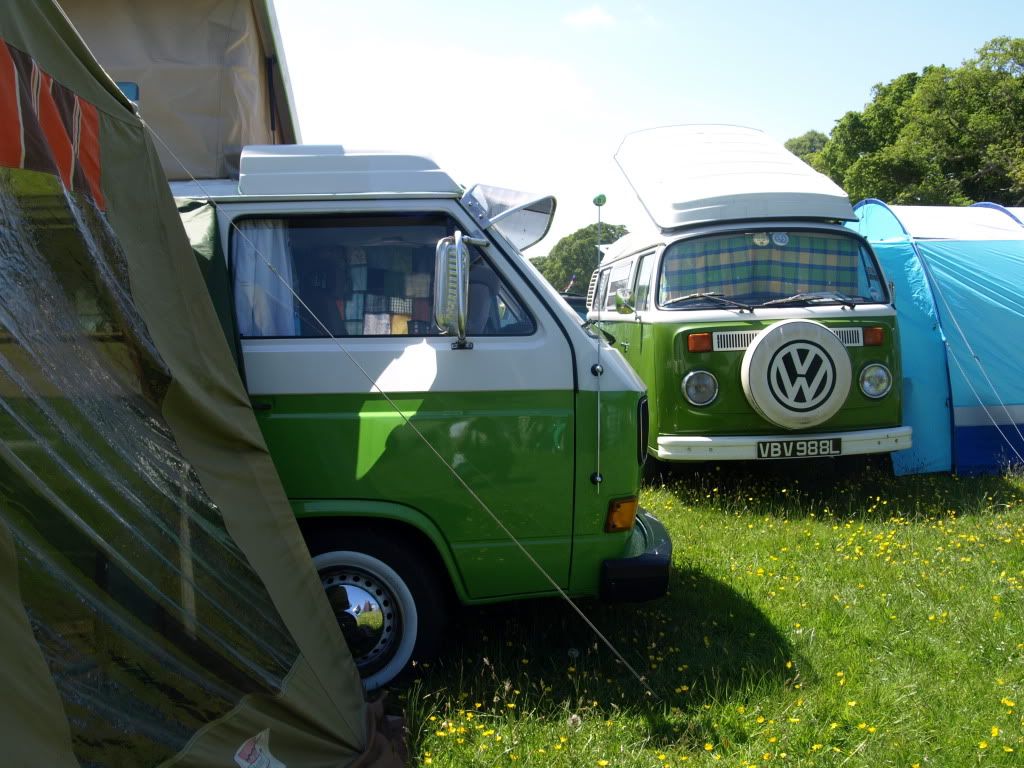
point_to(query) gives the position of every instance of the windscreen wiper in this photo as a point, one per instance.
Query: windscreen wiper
(812, 297)
(708, 295)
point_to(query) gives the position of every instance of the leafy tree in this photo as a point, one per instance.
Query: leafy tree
(576, 256)
(942, 137)
(808, 145)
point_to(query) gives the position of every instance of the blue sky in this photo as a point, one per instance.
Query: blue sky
(537, 95)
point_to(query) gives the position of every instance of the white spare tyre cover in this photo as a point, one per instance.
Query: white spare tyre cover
(796, 373)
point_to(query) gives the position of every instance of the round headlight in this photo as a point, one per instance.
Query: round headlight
(875, 380)
(700, 387)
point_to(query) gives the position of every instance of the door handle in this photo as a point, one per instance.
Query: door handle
(624, 345)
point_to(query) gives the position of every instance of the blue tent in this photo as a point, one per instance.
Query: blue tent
(959, 279)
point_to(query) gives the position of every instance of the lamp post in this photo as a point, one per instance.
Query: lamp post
(599, 201)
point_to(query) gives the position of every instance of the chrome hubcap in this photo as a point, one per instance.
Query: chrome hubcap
(367, 613)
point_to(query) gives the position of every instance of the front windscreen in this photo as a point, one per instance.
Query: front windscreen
(768, 267)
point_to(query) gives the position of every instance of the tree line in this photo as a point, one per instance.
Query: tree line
(942, 136)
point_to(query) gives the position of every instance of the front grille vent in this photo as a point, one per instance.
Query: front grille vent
(737, 341)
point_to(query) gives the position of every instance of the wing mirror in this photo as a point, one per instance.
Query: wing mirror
(451, 287)
(624, 301)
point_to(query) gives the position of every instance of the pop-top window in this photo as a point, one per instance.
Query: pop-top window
(618, 280)
(769, 267)
(358, 275)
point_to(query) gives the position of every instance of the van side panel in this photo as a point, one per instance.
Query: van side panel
(620, 471)
(511, 447)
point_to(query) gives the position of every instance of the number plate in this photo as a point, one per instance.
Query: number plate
(800, 448)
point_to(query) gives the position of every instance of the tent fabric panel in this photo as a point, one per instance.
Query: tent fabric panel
(923, 361)
(199, 218)
(33, 727)
(987, 449)
(144, 310)
(977, 288)
(877, 222)
(69, 63)
(201, 73)
(212, 421)
(962, 223)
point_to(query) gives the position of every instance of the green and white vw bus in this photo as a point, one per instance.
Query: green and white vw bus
(399, 351)
(762, 327)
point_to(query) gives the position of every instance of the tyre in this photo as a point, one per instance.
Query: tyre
(386, 598)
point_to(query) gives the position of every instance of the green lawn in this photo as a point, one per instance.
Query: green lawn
(817, 615)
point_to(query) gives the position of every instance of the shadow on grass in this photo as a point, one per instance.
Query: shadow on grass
(851, 487)
(702, 643)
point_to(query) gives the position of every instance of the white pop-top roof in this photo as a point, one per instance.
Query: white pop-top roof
(310, 169)
(943, 222)
(698, 174)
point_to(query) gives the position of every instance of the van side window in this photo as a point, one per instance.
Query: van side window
(356, 275)
(643, 281)
(619, 278)
(602, 284)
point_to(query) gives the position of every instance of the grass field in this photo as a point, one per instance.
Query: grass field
(818, 615)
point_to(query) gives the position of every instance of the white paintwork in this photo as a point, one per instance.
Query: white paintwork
(310, 169)
(693, 174)
(985, 415)
(944, 222)
(400, 365)
(207, 189)
(744, 447)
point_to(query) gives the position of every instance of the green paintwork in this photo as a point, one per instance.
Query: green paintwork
(658, 353)
(621, 478)
(353, 455)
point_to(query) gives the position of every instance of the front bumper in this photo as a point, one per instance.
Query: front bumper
(744, 447)
(643, 573)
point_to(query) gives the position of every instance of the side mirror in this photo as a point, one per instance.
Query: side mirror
(623, 299)
(451, 287)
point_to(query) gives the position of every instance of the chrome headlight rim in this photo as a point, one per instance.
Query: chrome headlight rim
(867, 371)
(689, 378)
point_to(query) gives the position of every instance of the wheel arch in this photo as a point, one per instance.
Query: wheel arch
(386, 519)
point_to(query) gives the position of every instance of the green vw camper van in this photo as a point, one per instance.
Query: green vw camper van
(762, 327)
(407, 363)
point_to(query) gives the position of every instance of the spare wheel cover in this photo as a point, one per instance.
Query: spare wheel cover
(796, 373)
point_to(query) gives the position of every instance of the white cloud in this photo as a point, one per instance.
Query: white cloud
(594, 16)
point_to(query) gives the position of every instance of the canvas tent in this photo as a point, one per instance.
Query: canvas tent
(157, 604)
(209, 76)
(959, 277)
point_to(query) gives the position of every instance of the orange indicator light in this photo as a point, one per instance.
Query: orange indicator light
(621, 514)
(699, 342)
(874, 336)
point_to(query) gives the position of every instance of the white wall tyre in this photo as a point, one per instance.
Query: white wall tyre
(387, 602)
(796, 374)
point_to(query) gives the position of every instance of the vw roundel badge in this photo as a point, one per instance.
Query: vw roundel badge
(801, 376)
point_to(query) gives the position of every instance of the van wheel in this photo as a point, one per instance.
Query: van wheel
(387, 601)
